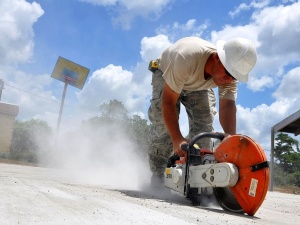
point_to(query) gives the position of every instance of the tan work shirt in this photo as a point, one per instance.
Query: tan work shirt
(183, 65)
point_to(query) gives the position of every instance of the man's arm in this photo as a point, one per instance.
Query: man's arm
(169, 100)
(227, 115)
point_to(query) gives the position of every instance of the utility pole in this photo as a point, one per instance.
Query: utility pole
(1, 87)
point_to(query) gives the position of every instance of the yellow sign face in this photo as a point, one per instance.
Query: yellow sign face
(69, 72)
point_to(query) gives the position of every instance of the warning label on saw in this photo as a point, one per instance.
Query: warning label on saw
(253, 186)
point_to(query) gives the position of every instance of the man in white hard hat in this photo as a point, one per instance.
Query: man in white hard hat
(187, 72)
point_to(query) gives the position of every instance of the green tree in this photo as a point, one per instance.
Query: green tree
(139, 132)
(287, 153)
(113, 110)
(30, 138)
(287, 156)
(114, 119)
(111, 113)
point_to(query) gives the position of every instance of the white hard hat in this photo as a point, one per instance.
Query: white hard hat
(238, 56)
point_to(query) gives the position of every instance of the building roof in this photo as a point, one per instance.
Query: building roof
(290, 124)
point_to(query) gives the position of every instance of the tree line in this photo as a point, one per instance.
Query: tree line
(34, 138)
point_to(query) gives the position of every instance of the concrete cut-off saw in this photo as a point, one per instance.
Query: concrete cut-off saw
(236, 172)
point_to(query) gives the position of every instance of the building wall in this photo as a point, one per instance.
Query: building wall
(8, 113)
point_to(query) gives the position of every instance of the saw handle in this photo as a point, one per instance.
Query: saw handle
(184, 147)
(190, 149)
(219, 136)
(172, 161)
(189, 146)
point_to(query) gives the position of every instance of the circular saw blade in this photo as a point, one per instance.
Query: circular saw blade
(226, 200)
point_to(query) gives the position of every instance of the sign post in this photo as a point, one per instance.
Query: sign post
(69, 73)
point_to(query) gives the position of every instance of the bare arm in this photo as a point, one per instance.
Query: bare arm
(169, 100)
(227, 115)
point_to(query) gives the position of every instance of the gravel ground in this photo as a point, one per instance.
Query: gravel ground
(34, 195)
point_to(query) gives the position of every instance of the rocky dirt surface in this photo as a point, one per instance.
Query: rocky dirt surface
(34, 195)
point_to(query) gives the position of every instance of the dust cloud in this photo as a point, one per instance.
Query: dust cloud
(108, 158)
(105, 157)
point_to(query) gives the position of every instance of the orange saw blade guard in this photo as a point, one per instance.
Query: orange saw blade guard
(251, 161)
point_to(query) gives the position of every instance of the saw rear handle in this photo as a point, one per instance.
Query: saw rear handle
(191, 149)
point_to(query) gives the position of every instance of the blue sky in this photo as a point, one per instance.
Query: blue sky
(115, 39)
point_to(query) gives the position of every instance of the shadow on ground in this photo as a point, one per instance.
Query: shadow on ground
(166, 195)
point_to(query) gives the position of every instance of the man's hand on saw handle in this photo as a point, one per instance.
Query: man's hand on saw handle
(177, 147)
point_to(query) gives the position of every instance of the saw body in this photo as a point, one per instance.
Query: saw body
(201, 176)
(236, 172)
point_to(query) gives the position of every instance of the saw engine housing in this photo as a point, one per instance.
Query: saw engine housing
(237, 173)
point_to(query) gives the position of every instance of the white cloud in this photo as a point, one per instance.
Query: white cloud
(289, 86)
(132, 88)
(131, 4)
(275, 31)
(26, 90)
(113, 76)
(111, 82)
(259, 83)
(177, 30)
(107, 83)
(248, 31)
(278, 30)
(16, 21)
(125, 11)
(244, 7)
(257, 122)
(152, 47)
(101, 2)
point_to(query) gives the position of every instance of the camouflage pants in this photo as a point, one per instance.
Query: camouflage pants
(200, 108)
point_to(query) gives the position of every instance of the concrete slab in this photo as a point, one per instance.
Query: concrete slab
(33, 195)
